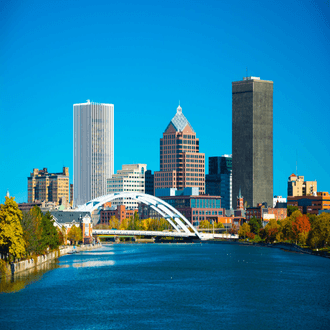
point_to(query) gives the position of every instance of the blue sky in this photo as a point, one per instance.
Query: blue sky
(145, 56)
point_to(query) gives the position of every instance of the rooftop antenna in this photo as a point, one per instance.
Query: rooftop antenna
(247, 72)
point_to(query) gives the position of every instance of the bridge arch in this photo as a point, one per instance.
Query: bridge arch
(177, 220)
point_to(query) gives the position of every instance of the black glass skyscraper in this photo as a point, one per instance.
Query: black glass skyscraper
(252, 138)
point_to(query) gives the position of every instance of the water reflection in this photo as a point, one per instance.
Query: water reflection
(20, 280)
(93, 264)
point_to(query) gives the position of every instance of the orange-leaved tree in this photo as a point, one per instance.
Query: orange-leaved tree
(300, 228)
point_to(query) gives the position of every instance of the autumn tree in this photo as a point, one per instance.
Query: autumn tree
(244, 230)
(62, 236)
(12, 242)
(124, 224)
(204, 224)
(233, 230)
(219, 225)
(75, 234)
(114, 222)
(271, 231)
(300, 228)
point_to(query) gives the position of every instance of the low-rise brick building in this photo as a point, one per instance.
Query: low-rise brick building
(311, 204)
(120, 212)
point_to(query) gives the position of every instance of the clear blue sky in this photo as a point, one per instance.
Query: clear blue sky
(145, 56)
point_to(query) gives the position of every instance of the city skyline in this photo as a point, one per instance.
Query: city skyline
(149, 56)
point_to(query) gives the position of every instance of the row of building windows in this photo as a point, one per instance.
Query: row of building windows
(205, 203)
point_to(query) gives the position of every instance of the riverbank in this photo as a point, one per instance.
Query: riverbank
(21, 266)
(284, 246)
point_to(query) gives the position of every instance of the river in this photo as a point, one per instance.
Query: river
(172, 286)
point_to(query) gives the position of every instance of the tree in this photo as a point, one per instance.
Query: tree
(75, 234)
(124, 224)
(37, 227)
(233, 230)
(255, 225)
(271, 230)
(219, 225)
(319, 236)
(285, 229)
(244, 230)
(291, 209)
(62, 236)
(29, 233)
(204, 224)
(49, 236)
(301, 228)
(114, 222)
(12, 242)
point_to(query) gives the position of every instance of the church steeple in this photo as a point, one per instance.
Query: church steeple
(240, 201)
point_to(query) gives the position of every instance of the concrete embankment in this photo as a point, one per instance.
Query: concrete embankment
(23, 265)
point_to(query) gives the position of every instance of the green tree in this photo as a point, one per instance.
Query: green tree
(255, 225)
(37, 230)
(291, 209)
(75, 234)
(319, 236)
(12, 242)
(244, 230)
(49, 236)
(29, 233)
(285, 229)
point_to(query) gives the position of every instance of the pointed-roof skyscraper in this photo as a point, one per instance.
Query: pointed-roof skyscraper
(181, 163)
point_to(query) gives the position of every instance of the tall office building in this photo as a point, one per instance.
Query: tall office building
(219, 180)
(181, 163)
(93, 158)
(252, 139)
(131, 178)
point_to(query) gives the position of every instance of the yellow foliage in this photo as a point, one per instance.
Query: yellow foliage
(11, 233)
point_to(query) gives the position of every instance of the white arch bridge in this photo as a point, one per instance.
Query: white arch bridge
(181, 226)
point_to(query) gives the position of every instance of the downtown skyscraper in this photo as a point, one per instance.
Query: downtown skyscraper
(181, 163)
(219, 180)
(93, 149)
(252, 138)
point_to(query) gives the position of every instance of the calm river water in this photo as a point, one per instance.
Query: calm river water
(173, 286)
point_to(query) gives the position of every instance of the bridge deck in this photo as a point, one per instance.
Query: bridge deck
(141, 233)
(204, 236)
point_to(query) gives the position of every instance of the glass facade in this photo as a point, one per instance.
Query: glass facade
(93, 145)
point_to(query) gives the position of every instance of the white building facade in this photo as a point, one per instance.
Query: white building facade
(131, 178)
(93, 149)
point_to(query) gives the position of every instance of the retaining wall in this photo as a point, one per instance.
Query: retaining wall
(23, 265)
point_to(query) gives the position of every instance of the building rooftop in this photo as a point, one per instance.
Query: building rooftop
(179, 121)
